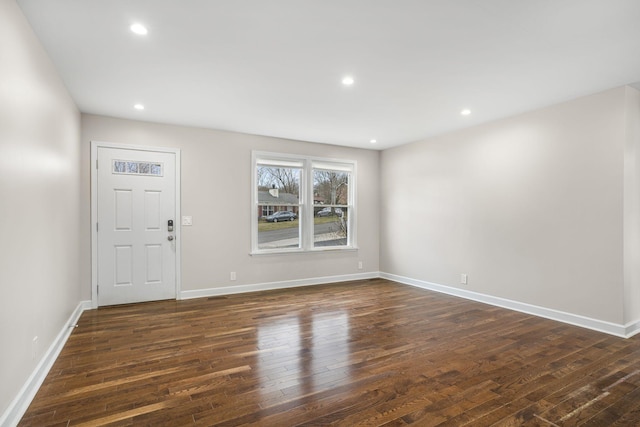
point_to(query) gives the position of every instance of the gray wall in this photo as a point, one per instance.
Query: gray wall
(39, 202)
(632, 206)
(530, 207)
(216, 191)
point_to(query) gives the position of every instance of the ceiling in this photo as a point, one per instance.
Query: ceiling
(275, 67)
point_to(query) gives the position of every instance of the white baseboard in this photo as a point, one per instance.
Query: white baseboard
(21, 402)
(632, 328)
(239, 289)
(623, 331)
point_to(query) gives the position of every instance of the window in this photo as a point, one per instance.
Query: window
(331, 213)
(127, 167)
(267, 210)
(302, 203)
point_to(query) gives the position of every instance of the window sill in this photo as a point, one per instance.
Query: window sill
(303, 251)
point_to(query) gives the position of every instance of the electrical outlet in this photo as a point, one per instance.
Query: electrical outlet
(463, 279)
(232, 276)
(359, 265)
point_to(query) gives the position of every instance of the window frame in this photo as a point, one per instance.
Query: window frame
(306, 200)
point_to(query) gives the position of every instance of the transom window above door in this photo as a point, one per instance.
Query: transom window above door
(132, 167)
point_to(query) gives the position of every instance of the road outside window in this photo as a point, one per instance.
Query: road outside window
(302, 204)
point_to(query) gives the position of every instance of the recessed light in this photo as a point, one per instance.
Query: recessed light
(347, 80)
(139, 107)
(465, 112)
(373, 141)
(139, 29)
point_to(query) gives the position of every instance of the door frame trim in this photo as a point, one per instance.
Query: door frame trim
(94, 211)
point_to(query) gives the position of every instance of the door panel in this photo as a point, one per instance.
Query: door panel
(123, 210)
(152, 210)
(154, 264)
(124, 266)
(136, 194)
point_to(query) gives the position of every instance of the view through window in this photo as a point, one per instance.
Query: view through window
(302, 203)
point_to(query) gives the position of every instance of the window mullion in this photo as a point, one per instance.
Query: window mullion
(307, 199)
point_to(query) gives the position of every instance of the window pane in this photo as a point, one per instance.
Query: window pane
(278, 207)
(119, 166)
(279, 186)
(132, 167)
(144, 168)
(330, 198)
(279, 228)
(330, 187)
(330, 226)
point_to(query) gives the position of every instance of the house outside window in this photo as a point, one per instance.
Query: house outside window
(302, 204)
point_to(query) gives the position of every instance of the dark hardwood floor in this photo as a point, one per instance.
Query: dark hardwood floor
(359, 353)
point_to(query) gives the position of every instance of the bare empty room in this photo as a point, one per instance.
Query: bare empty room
(320, 213)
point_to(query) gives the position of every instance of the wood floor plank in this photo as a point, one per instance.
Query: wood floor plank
(369, 352)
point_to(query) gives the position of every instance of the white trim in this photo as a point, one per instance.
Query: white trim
(21, 402)
(229, 290)
(94, 211)
(294, 157)
(310, 251)
(305, 205)
(632, 328)
(548, 313)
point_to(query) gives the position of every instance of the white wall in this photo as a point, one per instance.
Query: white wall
(39, 202)
(530, 207)
(216, 191)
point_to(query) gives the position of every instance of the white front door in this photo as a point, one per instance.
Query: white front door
(136, 208)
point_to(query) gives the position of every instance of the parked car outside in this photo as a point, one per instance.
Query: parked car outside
(281, 216)
(327, 212)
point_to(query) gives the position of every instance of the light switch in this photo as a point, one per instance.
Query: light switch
(187, 220)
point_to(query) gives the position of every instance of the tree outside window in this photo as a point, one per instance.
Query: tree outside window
(302, 204)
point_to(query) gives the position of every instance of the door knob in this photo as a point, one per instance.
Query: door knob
(170, 238)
